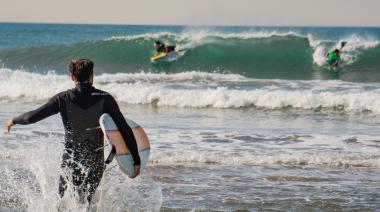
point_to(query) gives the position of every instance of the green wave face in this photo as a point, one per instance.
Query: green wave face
(275, 57)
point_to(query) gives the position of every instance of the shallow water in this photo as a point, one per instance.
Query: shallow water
(211, 159)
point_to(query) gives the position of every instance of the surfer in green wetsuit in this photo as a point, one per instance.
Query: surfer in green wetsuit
(333, 56)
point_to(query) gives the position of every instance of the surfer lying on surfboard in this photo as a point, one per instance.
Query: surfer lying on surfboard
(166, 53)
(163, 48)
(80, 109)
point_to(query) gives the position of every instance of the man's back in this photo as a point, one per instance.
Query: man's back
(80, 109)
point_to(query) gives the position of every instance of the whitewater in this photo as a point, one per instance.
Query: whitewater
(210, 90)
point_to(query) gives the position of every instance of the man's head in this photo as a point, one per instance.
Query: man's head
(157, 44)
(82, 70)
(336, 51)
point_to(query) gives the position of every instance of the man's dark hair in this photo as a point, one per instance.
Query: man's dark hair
(82, 69)
(158, 42)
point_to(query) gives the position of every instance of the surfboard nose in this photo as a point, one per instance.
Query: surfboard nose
(107, 122)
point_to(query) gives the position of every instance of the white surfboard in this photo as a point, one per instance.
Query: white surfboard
(114, 138)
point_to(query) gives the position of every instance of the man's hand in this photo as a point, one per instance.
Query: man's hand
(10, 124)
(137, 172)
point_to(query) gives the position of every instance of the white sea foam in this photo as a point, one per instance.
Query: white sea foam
(157, 77)
(236, 149)
(194, 37)
(318, 159)
(199, 34)
(34, 174)
(200, 90)
(320, 50)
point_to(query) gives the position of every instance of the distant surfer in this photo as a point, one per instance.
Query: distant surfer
(333, 56)
(166, 53)
(80, 109)
(163, 48)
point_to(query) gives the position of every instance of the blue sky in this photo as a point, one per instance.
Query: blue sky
(196, 12)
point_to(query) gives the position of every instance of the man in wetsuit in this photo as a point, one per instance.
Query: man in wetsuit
(333, 57)
(161, 47)
(80, 109)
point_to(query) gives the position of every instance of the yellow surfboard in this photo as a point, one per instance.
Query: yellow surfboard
(158, 56)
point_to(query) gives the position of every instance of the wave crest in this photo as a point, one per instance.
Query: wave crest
(197, 89)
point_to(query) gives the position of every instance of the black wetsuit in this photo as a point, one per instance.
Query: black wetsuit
(83, 158)
(162, 49)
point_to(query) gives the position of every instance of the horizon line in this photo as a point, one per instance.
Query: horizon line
(188, 25)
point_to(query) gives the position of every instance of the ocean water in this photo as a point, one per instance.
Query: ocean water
(248, 118)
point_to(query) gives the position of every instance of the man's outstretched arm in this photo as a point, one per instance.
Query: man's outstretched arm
(46, 110)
